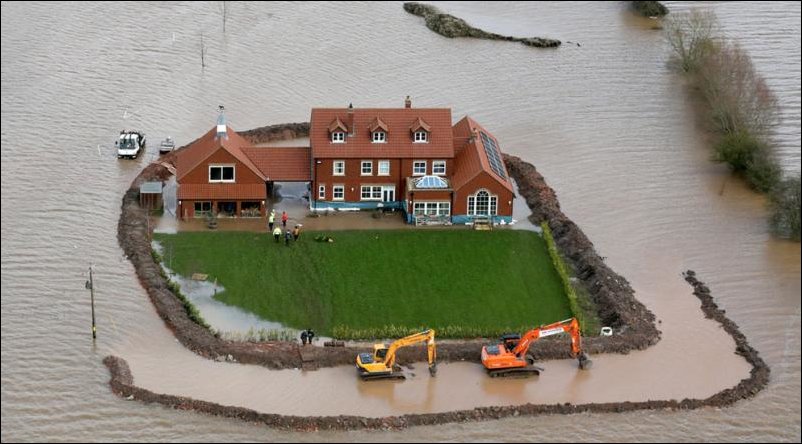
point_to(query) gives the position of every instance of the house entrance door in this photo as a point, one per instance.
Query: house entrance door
(388, 194)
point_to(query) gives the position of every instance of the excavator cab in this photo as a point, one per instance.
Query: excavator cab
(510, 340)
(380, 351)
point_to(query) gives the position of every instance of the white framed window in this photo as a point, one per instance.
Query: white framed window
(321, 192)
(421, 137)
(384, 168)
(419, 168)
(367, 167)
(482, 204)
(221, 173)
(431, 208)
(338, 192)
(439, 167)
(371, 192)
(338, 137)
(202, 208)
(379, 137)
(338, 168)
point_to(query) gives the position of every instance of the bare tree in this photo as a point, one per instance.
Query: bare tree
(690, 37)
(739, 98)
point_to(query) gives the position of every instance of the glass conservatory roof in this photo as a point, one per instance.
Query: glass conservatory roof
(431, 182)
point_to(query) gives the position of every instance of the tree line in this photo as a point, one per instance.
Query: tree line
(740, 108)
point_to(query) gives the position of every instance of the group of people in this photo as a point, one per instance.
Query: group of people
(294, 234)
(307, 335)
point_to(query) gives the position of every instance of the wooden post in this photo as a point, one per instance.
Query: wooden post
(91, 286)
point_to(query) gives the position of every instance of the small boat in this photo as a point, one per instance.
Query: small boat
(130, 144)
(167, 145)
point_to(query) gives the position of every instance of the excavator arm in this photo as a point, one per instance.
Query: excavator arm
(512, 357)
(381, 364)
(424, 336)
(570, 326)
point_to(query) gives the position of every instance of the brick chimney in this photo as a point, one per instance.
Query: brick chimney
(408, 103)
(350, 119)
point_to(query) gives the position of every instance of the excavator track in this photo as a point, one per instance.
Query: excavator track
(515, 372)
(379, 376)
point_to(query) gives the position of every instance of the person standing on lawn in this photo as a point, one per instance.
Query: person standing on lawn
(287, 237)
(296, 232)
(277, 233)
(271, 219)
(284, 218)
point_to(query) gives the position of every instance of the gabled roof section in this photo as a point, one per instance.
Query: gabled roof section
(282, 164)
(400, 143)
(420, 124)
(337, 124)
(472, 156)
(194, 155)
(215, 191)
(377, 124)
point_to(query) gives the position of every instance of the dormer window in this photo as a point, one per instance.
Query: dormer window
(378, 131)
(337, 129)
(420, 131)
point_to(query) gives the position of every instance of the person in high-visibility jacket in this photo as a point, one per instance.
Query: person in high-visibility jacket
(277, 234)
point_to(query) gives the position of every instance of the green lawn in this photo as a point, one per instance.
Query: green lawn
(464, 283)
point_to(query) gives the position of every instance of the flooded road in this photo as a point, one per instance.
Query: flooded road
(606, 123)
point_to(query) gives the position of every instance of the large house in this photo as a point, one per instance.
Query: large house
(410, 159)
(224, 173)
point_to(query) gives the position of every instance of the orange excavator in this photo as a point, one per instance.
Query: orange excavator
(511, 356)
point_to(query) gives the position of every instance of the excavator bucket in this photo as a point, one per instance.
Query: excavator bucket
(433, 369)
(584, 361)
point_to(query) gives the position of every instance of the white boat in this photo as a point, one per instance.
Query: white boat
(129, 144)
(167, 145)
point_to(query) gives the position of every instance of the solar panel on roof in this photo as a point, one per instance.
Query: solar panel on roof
(493, 155)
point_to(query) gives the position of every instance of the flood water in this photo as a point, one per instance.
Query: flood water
(607, 123)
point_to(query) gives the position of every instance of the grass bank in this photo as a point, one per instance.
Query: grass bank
(381, 283)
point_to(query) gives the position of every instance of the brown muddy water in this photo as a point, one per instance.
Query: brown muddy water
(606, 123)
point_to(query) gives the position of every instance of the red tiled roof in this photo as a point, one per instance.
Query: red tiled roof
(376, 124)
(399, 140)
(222, 191)
(282, 164)
(337, 124)
(471, 157)
(192, 156)
(420, 123)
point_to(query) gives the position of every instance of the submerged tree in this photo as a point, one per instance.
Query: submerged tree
(785, 202)
(739, 98)
(649, 8)
(690, 36)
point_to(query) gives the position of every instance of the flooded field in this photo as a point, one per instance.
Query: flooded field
(607, 123)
